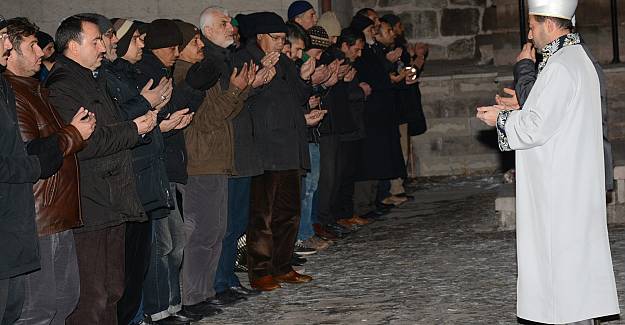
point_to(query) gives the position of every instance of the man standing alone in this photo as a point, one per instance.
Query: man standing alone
(565, 267)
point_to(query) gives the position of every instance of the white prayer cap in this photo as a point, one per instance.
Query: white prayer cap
(564, 9)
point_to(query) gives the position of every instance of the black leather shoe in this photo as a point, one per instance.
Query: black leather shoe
(243, 291)
(175, 320)
(199, 310)
(222, 300)
(338, 229)
(229, 295)
(381, 205)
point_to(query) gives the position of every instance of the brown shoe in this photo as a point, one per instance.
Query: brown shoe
(265, 283)
(347, 223)
(322, 232)
(359, 221)
(293, 277)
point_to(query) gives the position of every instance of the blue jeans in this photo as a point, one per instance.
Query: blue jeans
(309, 186)
(161, 287)
(238, 215)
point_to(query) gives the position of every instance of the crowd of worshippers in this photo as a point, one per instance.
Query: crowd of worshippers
(135, 156)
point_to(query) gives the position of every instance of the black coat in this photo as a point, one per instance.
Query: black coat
(409, 102)
(107, 183)
(183, 96)
(277, 111)
(18, 172)
(148, 158)
(381, 155)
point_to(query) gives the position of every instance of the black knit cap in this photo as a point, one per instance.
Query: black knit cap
(188, 31)
(162, 33)
(319, 38)
(264, 23)
(360, 22)
(125, 28)
(246, 30)
(43, 39)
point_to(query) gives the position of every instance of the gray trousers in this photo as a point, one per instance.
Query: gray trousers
(11, 299)
(365, 193)
(205, 206)
(52, 292)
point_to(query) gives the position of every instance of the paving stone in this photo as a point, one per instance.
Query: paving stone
(436, 260)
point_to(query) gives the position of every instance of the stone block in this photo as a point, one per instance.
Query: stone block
(459, 22)
(425, 24)
(449, 126)
(359, 4)
(482, 84)
(393, 3)
(463, 145)
(486, 162)
(435, 86)
(478, 3)
(461, 49)
(616, 214)
(432, 4)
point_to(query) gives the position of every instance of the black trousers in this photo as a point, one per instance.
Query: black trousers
(12, 294)
(343, 205)
(274, 222)
(329, 178)
(137, 259)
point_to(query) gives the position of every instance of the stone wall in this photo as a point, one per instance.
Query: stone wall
(49, 13)
(457, 143)
(593, 22)
(451, 27)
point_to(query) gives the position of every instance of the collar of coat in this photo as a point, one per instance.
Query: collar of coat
(553, 47)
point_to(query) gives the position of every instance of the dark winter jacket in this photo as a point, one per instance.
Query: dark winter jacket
(277, 112)
(19, 252)
(183, 96)
(148, 158)
(107, 183)
(210, 136)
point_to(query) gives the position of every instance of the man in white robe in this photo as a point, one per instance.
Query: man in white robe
(565, 270)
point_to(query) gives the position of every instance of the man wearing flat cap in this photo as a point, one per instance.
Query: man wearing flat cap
(277, 109)
(565, 271)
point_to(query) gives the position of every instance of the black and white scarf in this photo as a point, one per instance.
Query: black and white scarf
(553, 47)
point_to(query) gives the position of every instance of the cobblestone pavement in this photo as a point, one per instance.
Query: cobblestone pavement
(435, 260)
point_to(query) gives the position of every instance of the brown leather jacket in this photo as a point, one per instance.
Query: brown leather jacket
(209, 138)
(57, 198)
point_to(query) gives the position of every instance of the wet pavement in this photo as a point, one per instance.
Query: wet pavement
(435, 260)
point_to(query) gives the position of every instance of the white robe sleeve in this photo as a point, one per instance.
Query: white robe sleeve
(539, 119)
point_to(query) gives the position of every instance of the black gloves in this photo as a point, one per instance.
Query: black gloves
(49, 154)
(202, 75)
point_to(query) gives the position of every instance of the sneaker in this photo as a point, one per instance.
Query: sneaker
(317, 243)
(302, 249)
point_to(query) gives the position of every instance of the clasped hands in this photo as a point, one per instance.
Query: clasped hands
(489, 114)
